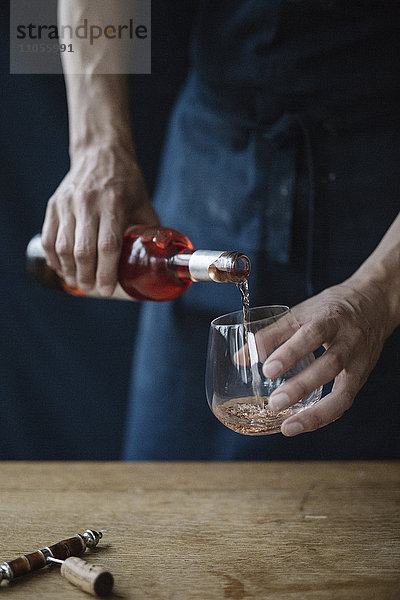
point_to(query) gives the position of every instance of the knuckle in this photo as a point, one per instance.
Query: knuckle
(115, 198)
(109, 245)
(47, 243)
(63, 248)
(313, 331)
(334, 363)
(51, 203)
(313, 422)
(347, 400)
(288, 355)
(83, 254)
(300, 389)
(62, 203)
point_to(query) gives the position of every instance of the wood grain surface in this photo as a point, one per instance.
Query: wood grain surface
(231, 531)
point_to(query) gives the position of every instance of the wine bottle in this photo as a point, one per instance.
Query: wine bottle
(156, 263)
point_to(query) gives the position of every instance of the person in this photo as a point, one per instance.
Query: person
(283, 144)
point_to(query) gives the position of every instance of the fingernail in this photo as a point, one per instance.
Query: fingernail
(290, 429)
(279, 401)
(273, 368)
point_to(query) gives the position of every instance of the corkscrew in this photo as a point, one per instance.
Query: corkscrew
(90, 578)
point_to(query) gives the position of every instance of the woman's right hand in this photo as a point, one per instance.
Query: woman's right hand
(101, 196)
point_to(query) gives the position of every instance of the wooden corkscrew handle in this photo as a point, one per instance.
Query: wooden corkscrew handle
(37, 560)
(90, 578)
(73, 546)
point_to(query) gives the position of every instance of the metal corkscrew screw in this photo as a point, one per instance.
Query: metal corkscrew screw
(90, 578)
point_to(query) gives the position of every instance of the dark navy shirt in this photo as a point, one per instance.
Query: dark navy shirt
(300, 49)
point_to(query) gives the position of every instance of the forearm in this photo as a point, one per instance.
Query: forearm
(98, 110)
(97, 91)
(382, 270)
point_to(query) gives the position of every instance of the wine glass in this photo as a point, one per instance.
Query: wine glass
(237, 390)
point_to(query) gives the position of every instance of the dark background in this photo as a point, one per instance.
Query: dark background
(65, 362)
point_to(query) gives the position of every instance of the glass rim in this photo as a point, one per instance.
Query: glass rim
(285, 311)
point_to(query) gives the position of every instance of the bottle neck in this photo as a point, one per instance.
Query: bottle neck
(211, 265)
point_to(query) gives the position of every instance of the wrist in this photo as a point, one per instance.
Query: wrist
(109, 138)
(382, 283)
(109, 153)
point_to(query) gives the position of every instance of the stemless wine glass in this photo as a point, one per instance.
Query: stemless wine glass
(237, 390)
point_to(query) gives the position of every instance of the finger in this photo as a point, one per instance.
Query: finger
(318, 373)
(269, 337)
(65, 248)
(324, 412)
(307, 339)
(111, 232)
(275, 334)
(85, 250)
(49, 235)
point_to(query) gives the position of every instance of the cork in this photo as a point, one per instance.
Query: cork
(90, 578)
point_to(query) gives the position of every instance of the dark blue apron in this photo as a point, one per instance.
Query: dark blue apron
(284, 144)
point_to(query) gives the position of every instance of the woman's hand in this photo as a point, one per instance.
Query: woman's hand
(103, 194)
(352, 321)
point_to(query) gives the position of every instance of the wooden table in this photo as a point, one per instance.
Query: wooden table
(231, 531)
